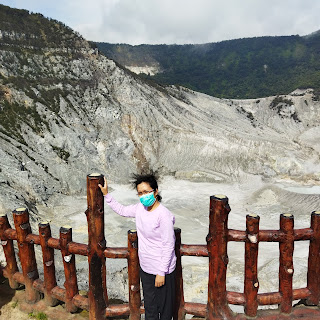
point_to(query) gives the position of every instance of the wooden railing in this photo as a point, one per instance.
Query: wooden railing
(217, 306)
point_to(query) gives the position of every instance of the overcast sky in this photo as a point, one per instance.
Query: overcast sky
(178, 21)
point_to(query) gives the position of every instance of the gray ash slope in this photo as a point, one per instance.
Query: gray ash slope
(66, 111)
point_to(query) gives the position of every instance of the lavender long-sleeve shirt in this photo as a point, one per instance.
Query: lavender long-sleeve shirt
(156, 239)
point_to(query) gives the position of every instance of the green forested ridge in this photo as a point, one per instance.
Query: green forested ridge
(242, 68)
(33, 29)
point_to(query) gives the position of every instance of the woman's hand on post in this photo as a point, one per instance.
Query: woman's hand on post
(104, 188)
(159, 281)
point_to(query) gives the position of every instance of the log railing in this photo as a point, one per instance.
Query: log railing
(217, 306)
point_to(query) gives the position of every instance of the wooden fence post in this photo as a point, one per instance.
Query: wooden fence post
(179, 312)
(313, 277)
(69, 264)
(48, 264)
(98, 297)
(8, 249)
(286, 262)
(217, 240)
(251, 283)
(26, 253)
(133, 276)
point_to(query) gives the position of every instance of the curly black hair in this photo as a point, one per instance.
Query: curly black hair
(150, 178)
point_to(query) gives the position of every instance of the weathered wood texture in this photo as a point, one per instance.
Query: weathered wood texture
(70, 272)
(217, 240)
(98, 298)
(49, 272)
(251, 283)
(8, 249)
(313, 277)
(179, 311)
(26, 253)
(133, 276)
(286, 262)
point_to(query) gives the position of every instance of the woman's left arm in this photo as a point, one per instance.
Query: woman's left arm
(168, 240)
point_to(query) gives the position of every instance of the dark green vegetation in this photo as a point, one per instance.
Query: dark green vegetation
(38, 316)
(63, 154)
(243, 68)
(33, 29)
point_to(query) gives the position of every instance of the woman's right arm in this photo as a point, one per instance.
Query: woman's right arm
(125, 211)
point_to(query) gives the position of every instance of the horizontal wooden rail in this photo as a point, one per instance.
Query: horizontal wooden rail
(270, 235)
(236, 298)
(74, 247)
(33, 238)
(54, 243)
(301, 293)
(83, 302)
(186, 249)
(60, 294)
(303, 234)
(78, 300)
(116, 253)
(196, 309)
(78, 248)
(10, 234)
(236, 235)
(270, 298)
(117, 310)
(197, 250)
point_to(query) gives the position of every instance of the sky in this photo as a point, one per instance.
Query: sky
(178, 21)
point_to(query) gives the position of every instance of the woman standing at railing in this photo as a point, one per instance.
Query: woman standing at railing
(154, 224)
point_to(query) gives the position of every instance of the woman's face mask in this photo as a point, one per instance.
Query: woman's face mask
(147, 199)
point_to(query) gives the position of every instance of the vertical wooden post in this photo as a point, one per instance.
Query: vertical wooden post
(69, 264)
(26, 253)
(286, 262)
(8, 249)
(48, 263)
(98, 297)
(217, 240)
(133, 276)
(313, 277)
(179, 313)
(251, 283)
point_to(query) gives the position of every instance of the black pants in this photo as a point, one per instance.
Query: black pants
(158, 301)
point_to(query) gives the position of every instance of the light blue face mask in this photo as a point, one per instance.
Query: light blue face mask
(148, 199)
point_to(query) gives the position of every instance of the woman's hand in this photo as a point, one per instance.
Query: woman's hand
(159, 281)
(104, 188)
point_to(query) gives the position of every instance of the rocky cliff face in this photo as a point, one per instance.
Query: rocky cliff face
(66, 111)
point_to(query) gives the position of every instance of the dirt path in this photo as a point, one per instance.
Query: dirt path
(13, 307)
(9, 309)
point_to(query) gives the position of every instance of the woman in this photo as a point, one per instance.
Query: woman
(156, 241)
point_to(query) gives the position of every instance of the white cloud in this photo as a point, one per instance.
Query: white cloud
(179, 21)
